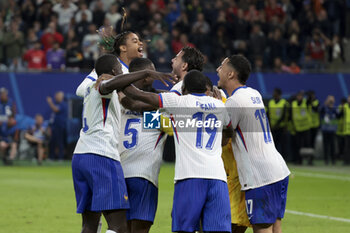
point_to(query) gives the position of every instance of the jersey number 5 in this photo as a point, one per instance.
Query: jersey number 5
(131, 131)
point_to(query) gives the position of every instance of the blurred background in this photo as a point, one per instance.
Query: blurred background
(299, 50)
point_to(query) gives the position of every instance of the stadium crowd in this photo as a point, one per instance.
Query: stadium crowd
(281, 36)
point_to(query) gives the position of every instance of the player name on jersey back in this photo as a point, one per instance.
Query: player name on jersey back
(197, 121)
(258, 161)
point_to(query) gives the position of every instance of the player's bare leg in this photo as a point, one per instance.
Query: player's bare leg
(262, 228)
(116, 220)
(90, 221)
(139, 226)
(238, 229)
(277, 226)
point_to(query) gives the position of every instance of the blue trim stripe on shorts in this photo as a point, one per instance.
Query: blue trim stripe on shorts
(99, 183)
(143, 196)
(267, 203)
(201, 199)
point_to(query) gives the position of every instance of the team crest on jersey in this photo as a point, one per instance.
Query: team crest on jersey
(151, 120)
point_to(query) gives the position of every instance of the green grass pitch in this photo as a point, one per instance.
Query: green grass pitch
(41, 199)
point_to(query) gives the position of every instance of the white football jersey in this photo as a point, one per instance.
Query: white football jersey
(198, 121)
(101, 124)
(140, 149)
(93, 77)
(258, 161)
(177, 88)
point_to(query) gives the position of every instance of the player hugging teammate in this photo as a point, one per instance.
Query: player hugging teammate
(116, 162)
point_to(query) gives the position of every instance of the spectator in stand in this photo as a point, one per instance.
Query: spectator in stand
(58, 124)
(7, 106)
(274, 9)
(13, 42)
(161, 56)
(44, 14)
(294, 49)
(31, 39)
(176, 45)
(28, 12)
(50, 36)
(200, 32)
(74, 55)
(98, 14)
(83, 9)
(65, 10)
(36, 135)
(276, 46)
(183, 23)
(257, 42)
(336, 54)
(90, 46)
(277, 65)
(173, 13)
(222, 46)
(9, 137)
(252, 14)
(323, 24)
(35, 57)
(293, 28)
(240, 27)
(334, 10)
(192, 9)
(82, 28)
(55, 58)
(329, 127)
(316, 51)
(113, 15)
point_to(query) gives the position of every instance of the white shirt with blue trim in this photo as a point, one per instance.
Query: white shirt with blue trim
(198, 147)
(141, 150)
(258, 161)
(101, 124)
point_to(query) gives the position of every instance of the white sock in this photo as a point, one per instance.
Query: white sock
(110, 231)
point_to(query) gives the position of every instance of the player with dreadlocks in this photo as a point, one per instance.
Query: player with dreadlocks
(126, 46)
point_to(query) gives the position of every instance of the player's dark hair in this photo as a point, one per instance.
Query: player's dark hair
(120, 40)
(140, 64)
(105, 64)
(193, 57)
(195, 82)
(242, 66)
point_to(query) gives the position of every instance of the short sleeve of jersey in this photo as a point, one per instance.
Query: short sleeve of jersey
(168, 100)
(177, 88)
(92, 77)
(233, 110)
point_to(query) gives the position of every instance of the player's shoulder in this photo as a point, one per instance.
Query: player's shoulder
(92, 75)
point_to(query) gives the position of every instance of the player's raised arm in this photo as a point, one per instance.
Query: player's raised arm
(146, 97)
(134, 105)
(119, 82)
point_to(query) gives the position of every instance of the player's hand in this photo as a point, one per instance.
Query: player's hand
(121, 96)
(163, 77)
(217, 93)
(102, 78)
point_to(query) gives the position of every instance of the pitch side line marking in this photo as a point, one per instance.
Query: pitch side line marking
(317, 175)
(318, 216)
